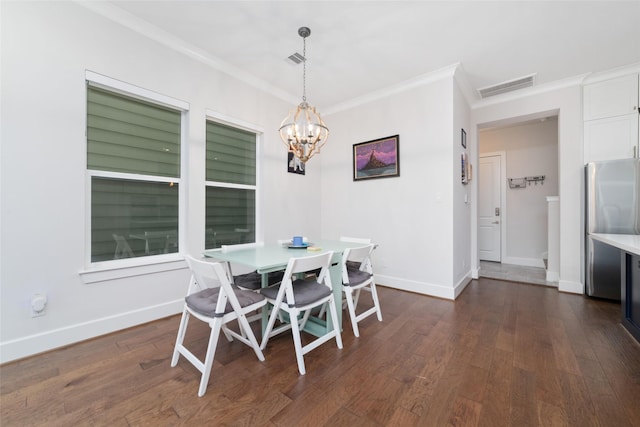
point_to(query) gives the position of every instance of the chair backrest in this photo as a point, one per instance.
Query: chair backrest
(307, 263)
(212, 275)
(361, 256)
(123, 250)
(302, 265)
(203, 274)
(355, 239)
(238, 247)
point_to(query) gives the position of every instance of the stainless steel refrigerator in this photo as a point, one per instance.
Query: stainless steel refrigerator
(612, 207)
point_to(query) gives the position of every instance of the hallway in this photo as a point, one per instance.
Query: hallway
(515, 273)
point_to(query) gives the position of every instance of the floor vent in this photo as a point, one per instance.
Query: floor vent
(508, 86)
(296, 58)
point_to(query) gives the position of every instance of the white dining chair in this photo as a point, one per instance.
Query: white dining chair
(357, 275)
(298, 297)
(363, 240)
(251, 281)
(211, 299)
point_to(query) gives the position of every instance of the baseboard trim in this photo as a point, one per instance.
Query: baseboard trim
(462, 284)
(570, 287)
(423, 288)
(49, 340)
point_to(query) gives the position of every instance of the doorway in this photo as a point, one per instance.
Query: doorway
(512, 220)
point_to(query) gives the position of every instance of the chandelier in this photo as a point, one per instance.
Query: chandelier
(303, 131)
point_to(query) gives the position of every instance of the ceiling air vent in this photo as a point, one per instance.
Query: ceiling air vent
(508, 86)
(296, 58)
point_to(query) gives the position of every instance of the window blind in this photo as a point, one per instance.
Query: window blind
(231, 154)
(230, 215)
(144, 213)
(125, 134)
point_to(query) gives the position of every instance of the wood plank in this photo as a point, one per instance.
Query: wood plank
(497, 402)
(465, 412)
(502, 354)
(551, 415)
(524, 411)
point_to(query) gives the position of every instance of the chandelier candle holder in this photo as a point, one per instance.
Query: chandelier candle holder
(303, 131)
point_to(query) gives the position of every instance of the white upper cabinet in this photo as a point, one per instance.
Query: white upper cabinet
(611, 138)
(611, 119)
(615, 97)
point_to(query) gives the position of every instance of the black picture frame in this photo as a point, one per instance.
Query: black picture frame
(463, 139)
(378, 158)
(294, 165)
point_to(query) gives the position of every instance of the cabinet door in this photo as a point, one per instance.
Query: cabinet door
(631, 294)
(611, 138)
(615, 97)
(633, 301)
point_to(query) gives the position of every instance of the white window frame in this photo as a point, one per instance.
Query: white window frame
(259, 131)
(115, 269)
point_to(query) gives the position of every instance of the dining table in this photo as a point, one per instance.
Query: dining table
(267, 258)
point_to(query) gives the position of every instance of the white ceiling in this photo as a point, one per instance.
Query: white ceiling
(359, 47)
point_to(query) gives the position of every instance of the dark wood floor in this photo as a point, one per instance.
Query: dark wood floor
(502, 354)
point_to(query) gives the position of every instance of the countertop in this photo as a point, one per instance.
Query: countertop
(626, 242)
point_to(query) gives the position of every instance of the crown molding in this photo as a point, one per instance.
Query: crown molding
(465, 87)
(153, 32)
(456, 70)
(613, 73)
(421, 80)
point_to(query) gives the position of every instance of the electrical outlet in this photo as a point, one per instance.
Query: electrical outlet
(38, 305)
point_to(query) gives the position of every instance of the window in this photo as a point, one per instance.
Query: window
(230, 216)
(133, 165)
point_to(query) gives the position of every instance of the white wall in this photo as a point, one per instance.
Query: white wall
(461, 193)
(564, 99)
(410, 216)
(46, 48)
(531, 149)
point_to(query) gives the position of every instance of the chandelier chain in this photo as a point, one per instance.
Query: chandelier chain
(304, 69)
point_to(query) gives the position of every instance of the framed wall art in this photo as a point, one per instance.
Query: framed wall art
(464, 171)
(294, 165)
(379, 158)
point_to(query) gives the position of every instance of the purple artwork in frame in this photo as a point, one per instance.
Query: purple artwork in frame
(379, 158)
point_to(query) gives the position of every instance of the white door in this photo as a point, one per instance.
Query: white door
(489, 208)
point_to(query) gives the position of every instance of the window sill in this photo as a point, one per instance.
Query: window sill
(131, 267)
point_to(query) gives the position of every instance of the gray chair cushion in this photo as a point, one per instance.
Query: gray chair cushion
(305, 291)
(356, 276)
(353, 264)
(204, 302)
(253, 280)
